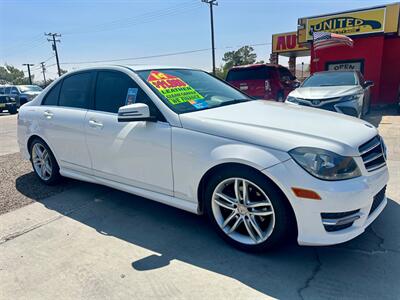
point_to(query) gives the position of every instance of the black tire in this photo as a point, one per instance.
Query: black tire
(284, 228)
(55, 169)
(12, 110)
(280, 97)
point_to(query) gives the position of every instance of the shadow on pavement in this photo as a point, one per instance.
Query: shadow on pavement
(375, 116)
(358, 269)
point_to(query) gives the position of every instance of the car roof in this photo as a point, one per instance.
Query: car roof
(256, 66)
(134, 68)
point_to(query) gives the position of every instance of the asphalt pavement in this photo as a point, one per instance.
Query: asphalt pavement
(85, 241)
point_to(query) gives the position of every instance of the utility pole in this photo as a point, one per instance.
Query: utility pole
(29, 72)
(44, 72)
(212, 3)
(55, 41)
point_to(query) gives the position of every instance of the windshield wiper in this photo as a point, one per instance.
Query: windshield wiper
(234, 101)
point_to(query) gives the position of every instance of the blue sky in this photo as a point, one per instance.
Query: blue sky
(113, 29)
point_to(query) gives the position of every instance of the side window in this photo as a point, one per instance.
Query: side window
(111, 90)
(75, 90)
(283, 72)
(7, 90)
(1, 91)
(52, 96)
(14, 91)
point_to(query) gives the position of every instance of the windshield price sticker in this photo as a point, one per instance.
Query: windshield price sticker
(174, 89)
(199, 104)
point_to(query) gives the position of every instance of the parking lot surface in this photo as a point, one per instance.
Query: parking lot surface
(85, 241)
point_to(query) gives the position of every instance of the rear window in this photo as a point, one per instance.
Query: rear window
(260, 73)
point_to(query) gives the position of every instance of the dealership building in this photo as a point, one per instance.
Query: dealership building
(376, 51)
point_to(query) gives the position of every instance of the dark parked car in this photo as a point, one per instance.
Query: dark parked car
(265, 81)
(21, 93)
(8, 103)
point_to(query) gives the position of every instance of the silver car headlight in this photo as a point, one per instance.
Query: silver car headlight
(292, 99)
(351, 97)
(324, 164)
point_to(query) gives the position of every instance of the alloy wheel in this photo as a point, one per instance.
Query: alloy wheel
(41, 161)
(243, 211)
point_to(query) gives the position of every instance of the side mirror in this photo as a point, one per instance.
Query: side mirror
(368, 83)
(134, 113)
(296, 84)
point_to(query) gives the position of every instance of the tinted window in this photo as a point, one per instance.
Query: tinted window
(14, 90)
(52, 96)
(250, 73)
(75, 90)
(283, 72)
(111, 91)
(330, 79)
(7, 90)
(1, 90)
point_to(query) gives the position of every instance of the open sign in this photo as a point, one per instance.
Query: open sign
(346, 66)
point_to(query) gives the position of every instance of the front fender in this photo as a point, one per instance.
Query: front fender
(195, 153)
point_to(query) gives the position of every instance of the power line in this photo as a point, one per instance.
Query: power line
(55, 41)
(136, 58)
(137, 20)
(155, 56)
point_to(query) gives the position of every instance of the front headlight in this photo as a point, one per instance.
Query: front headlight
(292, 99)
(325, 164)
(351, 97)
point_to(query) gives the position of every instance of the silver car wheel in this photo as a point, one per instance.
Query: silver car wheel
(243, 211)
(41, 161)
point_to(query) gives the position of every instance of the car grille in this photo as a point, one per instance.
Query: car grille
(373, 154)
(326, 106)
(378, 198)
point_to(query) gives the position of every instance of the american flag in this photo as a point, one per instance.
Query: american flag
(326, 39)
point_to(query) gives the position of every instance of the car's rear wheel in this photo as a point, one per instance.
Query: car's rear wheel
(247, 210)
(44, 163)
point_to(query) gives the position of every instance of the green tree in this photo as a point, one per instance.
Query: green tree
(243, 56)
(10, 74)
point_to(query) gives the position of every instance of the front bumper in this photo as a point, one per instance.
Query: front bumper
(350, 108)
(354, 195)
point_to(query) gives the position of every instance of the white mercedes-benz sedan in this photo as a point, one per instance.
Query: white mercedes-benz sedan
(260, 171)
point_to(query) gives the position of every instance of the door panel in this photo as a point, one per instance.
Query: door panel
(63, 115)
(133, 153)
(64, 128)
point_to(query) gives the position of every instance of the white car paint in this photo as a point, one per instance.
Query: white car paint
(325, 92)
(165, 161)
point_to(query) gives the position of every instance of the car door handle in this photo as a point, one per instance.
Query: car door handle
(95, 124)
(48, 114)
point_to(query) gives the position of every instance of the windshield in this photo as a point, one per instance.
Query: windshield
(330, 79)
(190, 90)
(30, 88)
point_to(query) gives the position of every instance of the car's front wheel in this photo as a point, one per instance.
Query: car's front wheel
(247, 209)
(43, 162)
